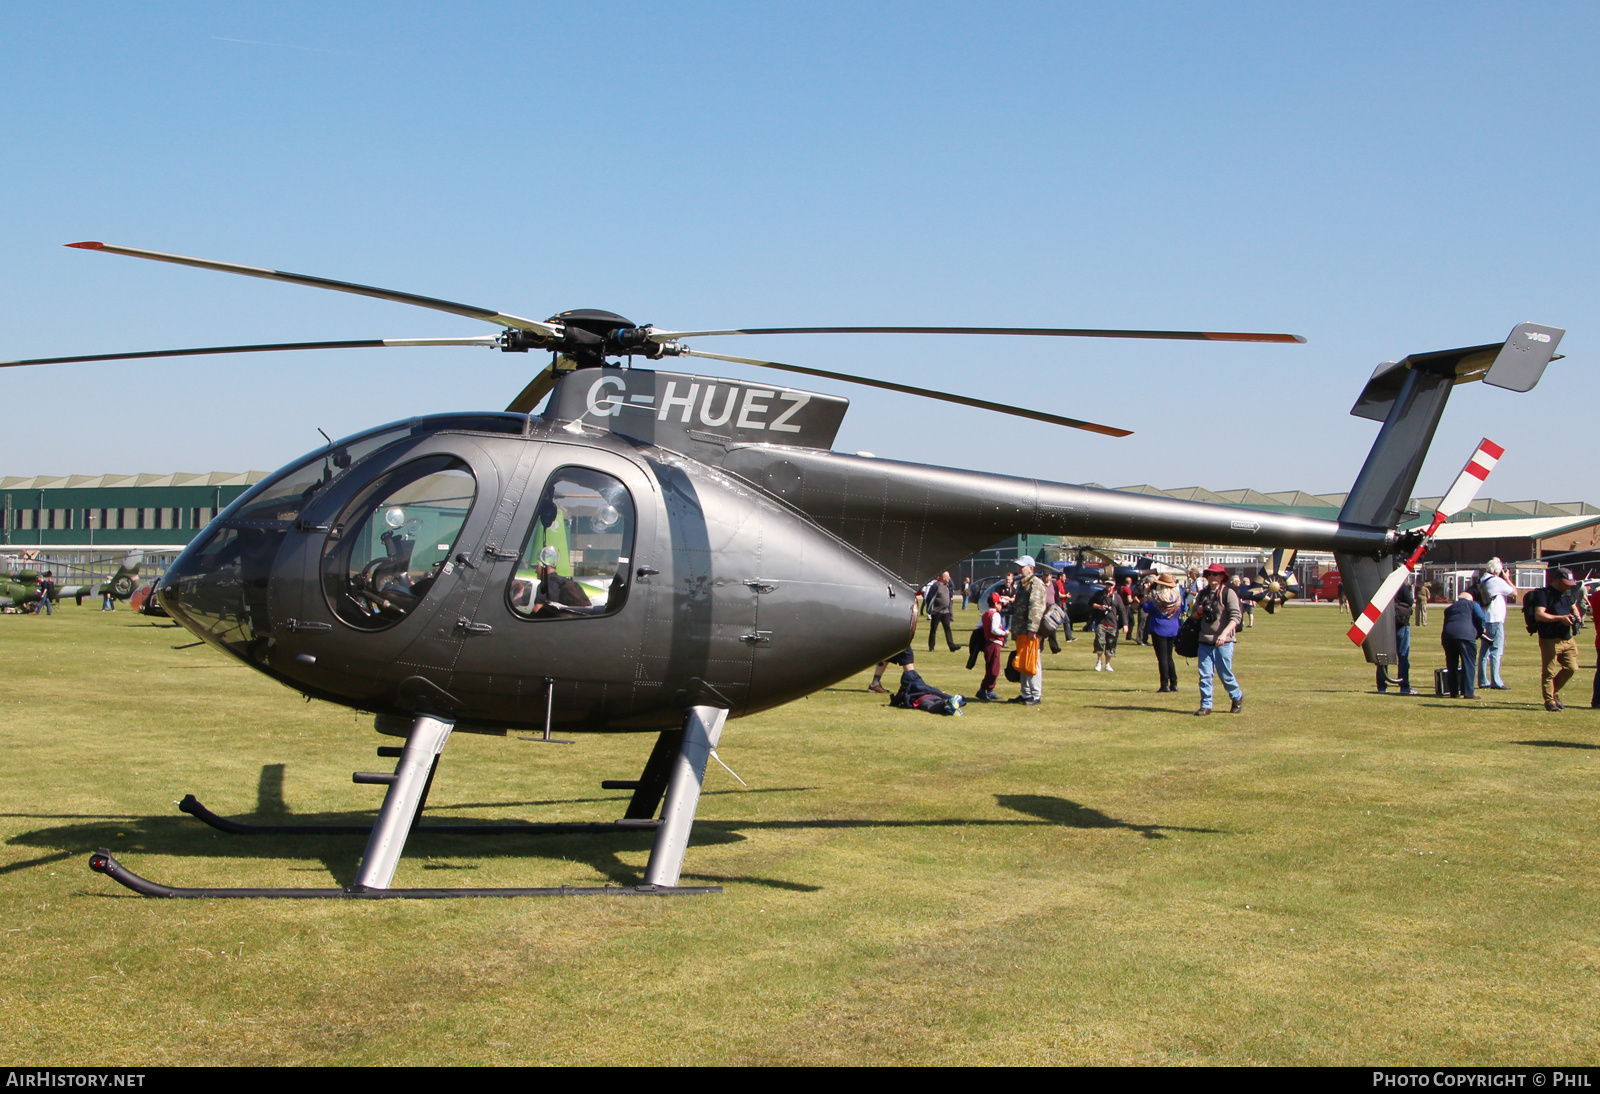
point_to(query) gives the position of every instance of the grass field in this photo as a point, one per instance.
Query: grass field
(1332, 877)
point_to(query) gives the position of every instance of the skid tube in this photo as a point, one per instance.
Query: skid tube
(192, 806)
(103, 862)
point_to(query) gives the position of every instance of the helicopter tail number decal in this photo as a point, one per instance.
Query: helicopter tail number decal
(670, 408)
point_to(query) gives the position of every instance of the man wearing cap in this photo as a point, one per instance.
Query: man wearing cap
(1555, 617)
(1217, 608)
(1027, 612)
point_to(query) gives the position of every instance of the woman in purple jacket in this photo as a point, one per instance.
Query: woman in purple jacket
(1163, 606)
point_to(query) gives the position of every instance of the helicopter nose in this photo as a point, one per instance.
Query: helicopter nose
(217, 589)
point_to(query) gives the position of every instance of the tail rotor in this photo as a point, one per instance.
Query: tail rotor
(1460, 495)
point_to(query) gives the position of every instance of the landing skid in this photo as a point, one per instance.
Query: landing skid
(676, 768)
(103, 862)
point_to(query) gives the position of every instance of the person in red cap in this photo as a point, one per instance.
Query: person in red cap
(1217, 608)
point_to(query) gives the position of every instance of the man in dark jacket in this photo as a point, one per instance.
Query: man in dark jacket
(940, 606)
(1464, 624)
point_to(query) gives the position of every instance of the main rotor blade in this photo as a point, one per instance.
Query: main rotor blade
(537, 389)
(366, 343)
(1046, 332)
(982, 404)
(487, 315)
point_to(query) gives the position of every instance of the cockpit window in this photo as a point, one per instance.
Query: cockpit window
(576, 559)
(394, 540)
(278, 501)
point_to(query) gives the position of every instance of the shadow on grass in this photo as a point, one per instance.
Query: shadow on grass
(1069, 814)
(619, 796)
(1557, 744)
(340, 855)
(1147, 710)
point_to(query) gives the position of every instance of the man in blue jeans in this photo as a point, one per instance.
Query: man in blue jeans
(1218, 610)
(1404, 603)
(1494, 592)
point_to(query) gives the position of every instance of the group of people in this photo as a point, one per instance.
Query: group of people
(1473, 634)
(1026, 610)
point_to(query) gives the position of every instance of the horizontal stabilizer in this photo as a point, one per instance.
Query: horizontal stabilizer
(1515, 364)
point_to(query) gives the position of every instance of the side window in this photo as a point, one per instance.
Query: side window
(576, 558)
(392, 542)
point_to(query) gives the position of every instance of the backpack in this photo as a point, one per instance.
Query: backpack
(1480, 593)
(1528, 604)
(1054, 619)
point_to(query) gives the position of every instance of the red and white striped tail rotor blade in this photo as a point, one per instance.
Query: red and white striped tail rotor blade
(1471, 478)
(1380, 600)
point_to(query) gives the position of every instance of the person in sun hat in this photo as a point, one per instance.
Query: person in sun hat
(1163, 610)
(1217, 608)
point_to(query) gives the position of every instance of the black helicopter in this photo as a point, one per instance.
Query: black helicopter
(659, 551)
(1083, 579)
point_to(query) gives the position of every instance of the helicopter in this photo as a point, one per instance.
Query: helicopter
(22, 587)
(1083, 579)
(657, 552)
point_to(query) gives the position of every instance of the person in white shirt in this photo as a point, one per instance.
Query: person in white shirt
(1495, 593)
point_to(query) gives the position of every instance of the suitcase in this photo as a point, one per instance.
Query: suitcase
(1441, 682)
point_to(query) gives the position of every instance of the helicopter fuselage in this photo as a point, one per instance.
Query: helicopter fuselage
(699, 588)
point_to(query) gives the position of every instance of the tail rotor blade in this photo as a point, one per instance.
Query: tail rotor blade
(1470, 481)
(1380, 600)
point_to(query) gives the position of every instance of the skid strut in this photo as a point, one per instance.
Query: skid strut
(680, 775)
(702, 727)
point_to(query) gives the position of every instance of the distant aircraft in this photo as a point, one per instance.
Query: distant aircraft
(21, 588)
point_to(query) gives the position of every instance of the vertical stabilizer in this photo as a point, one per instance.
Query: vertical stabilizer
(1409, 397)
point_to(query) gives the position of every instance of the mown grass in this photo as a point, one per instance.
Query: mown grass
(1332, 877)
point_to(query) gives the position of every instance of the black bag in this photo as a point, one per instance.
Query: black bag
(1187, 644)
(1011, 669)
(974, 647)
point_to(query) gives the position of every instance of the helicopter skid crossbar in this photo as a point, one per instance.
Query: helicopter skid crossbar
(102, 861)
(192, 806)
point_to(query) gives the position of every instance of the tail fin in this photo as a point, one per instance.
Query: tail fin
(1408, 397)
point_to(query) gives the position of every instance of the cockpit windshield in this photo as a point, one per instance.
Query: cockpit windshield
(277, 502)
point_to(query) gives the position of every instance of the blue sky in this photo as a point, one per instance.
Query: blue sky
(1382, 179)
